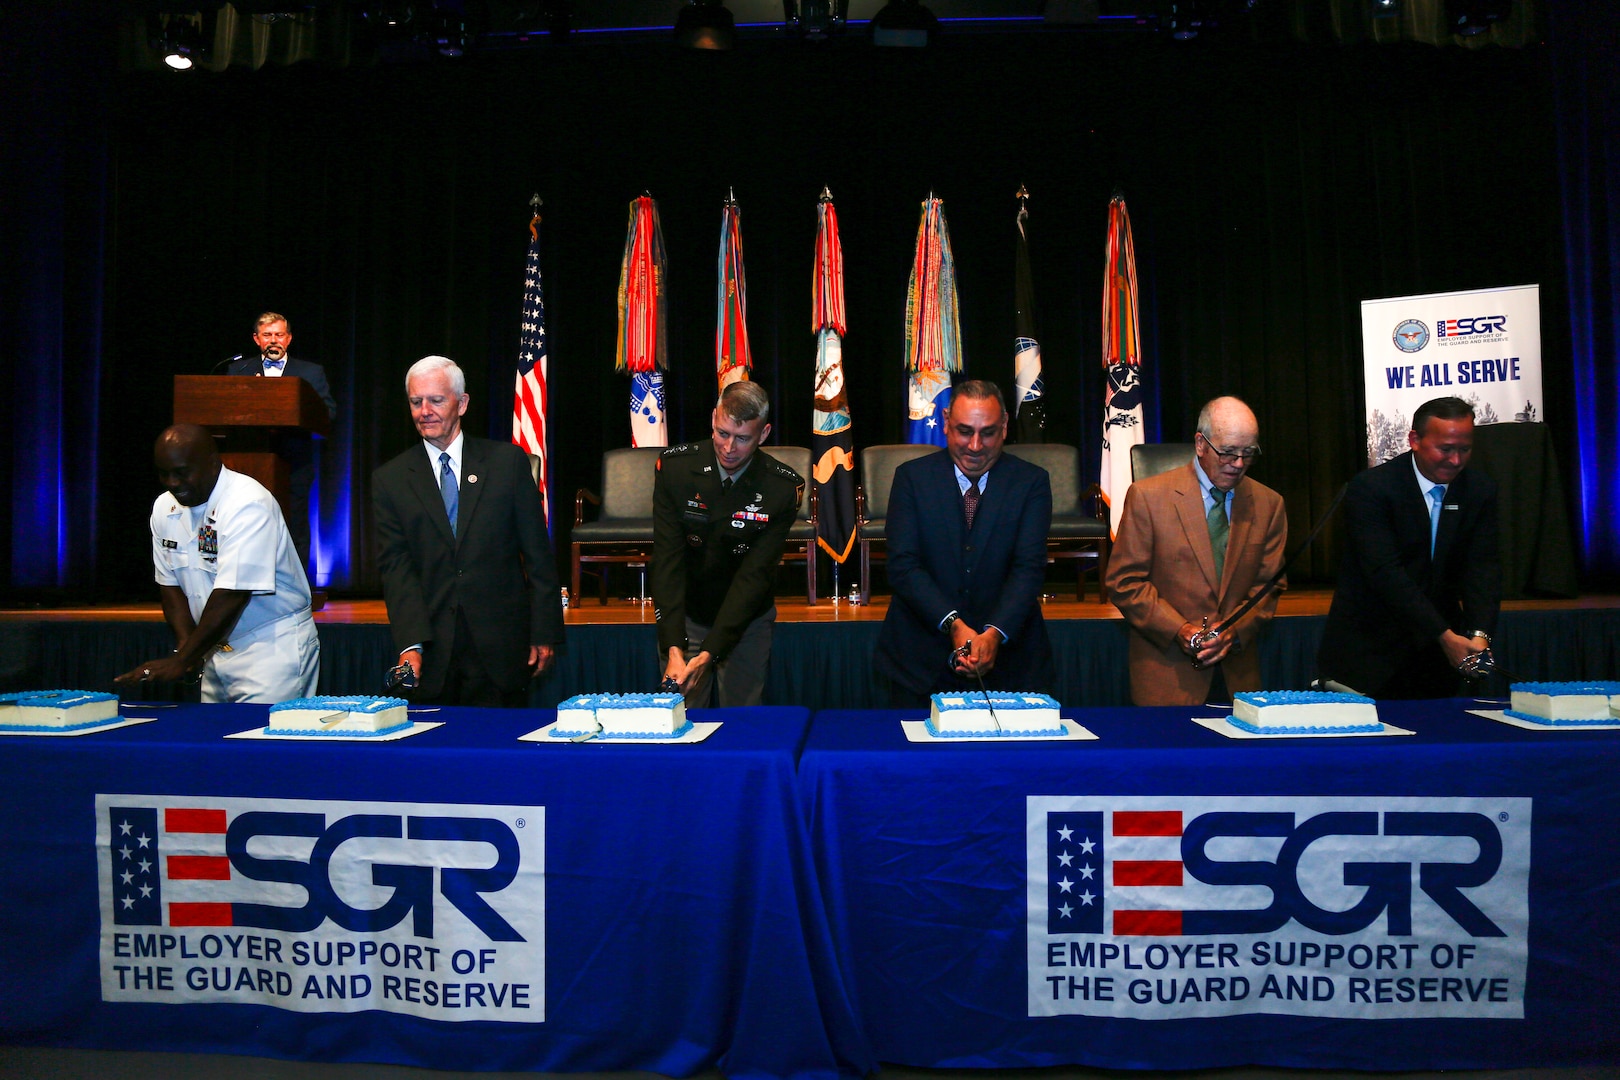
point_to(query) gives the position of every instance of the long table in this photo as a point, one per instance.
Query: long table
(1165, 897)
(457, 899)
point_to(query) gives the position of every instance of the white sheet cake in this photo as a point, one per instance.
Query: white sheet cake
(960, 715)
(1304, 712)
(56, 710)
(1566, 704)
(623, 716)
(350, 716)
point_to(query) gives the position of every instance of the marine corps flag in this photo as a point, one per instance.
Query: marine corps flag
(732, 360)
(1029, 406)
(529, 400)
(832, 442)
(1121, 358)
(642, 349)
(933, 329)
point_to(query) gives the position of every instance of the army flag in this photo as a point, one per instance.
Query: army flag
(832, 442)
(732, 360)
(1121, 358)
(529, 399)
(933, 328)
(1029, 406)
(642, 348)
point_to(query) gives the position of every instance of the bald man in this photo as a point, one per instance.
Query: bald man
(232, 585)
(1195, 543)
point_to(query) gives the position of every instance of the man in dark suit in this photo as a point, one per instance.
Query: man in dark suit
(467, 569)
(273, 335)
(966, 539)
(1419, 583)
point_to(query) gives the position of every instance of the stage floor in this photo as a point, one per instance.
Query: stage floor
(371, 611)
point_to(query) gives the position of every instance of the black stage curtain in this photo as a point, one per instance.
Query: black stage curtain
(1272, 187)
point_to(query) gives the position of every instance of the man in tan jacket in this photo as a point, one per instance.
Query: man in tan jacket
(1192, 543)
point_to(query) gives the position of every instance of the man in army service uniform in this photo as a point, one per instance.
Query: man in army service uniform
(721, 514)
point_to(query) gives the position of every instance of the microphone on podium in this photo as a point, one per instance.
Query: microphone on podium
(228, 360)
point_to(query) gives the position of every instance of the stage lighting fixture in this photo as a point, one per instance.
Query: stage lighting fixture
(903, 24)
(1184, 19)
(1383, 9)
(178, 38)
(815, 19)
(705, 24)
(1470, 17)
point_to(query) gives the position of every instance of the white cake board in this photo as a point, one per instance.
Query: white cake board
(1501, 717)
(1221, 726)
(917, 731)
(699, 732)
(127, 721)
(416, 728)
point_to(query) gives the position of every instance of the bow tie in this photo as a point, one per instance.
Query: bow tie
(277, 364)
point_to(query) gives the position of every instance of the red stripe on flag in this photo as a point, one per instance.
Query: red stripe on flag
(1148, 923)
(199, 868)
(1144, 872)
(200, 915)
(1147, 822)
(176, 819)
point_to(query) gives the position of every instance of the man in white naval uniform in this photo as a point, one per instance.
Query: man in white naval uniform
(232, 585)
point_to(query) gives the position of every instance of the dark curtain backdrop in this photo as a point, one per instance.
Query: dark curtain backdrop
(384, 210)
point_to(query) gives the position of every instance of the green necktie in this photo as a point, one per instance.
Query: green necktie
(1218, 528)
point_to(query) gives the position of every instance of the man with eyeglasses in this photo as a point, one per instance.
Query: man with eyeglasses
(1420, 586)
(1192, 545)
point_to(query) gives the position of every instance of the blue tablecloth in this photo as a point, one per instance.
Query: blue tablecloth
(926, 856)
(681, 929)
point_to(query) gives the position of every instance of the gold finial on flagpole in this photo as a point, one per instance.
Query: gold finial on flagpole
(731, 196)
(1023, 193)
(826, 193)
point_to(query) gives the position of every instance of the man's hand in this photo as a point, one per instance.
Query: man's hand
(165, 670)
(980, 659)
(1458, 648)
(686, 672)
(413, 657)
(540, 657)
(1212, 649)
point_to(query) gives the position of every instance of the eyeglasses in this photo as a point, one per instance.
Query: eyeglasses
(1228, 456)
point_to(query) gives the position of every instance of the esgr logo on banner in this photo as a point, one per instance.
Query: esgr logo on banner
(428, 910)
(1479, 328)
(1359, 907)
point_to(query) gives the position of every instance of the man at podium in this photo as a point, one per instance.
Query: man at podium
(273, 335)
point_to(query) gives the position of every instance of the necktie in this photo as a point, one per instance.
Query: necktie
(1218, 528)
(970, 503)
(725, 483)
(1437, 495)
(448, 490)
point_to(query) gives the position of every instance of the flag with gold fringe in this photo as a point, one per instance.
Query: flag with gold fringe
(832, 440)
(1121, 358)
(933, 328)
(642, 348)
(530, 401)
(732, 360)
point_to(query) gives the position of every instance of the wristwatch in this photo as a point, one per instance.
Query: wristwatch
(950, 621)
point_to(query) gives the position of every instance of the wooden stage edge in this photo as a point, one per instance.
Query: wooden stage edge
(1294, 603)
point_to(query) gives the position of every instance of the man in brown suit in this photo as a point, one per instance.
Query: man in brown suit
(1194, 542)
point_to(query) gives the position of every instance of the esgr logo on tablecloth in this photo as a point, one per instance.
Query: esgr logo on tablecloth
(1160, 907)
(324, 906)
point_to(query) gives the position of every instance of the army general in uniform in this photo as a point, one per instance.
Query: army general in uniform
(721, 514)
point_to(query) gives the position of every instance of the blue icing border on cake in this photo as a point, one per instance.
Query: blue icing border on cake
(345, 702)
(938, 734)
(44, 699)
(664, 736)
(1542, 721)
(347, 733)
(1263, 698)
(1554, 689)
(1341, 729)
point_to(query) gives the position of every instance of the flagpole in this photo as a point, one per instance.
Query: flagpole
(531, 401)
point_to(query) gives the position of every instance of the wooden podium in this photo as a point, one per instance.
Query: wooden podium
(249, 415)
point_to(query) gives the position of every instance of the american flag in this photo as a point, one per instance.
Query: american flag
(142, 864)
(529, 402)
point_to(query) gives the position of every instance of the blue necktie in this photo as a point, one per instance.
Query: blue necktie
(448, 490)
(1437, 495)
